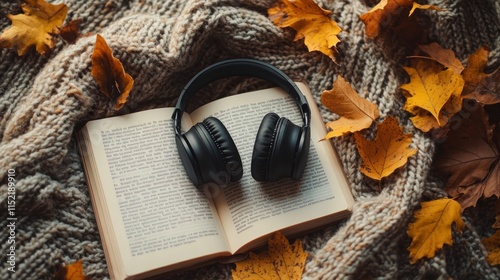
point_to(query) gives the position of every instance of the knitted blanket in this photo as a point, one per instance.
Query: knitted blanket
(162, 44)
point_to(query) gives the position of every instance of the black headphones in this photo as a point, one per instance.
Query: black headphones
(207, 150)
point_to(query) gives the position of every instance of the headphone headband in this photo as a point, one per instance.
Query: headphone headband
(240, 67)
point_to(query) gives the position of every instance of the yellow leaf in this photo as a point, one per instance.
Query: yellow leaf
(281, 261)
(492, 245)
(430, 89)
(37, 26)
(432, 227)
(356, 113)
(387, 152)
(109, 74)
(482, 87)
(312, 23)
(422, 7)
(72, 271)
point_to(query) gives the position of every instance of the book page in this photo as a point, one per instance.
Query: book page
(157, 216)
(250, 209)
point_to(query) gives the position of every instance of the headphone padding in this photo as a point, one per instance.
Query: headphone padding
(226, 147)
(262, 149)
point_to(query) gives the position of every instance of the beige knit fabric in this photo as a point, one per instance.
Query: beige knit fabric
(162, 44)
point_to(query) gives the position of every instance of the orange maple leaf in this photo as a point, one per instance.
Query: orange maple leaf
(433, 94)
(356, 113)
(387, 152)
(281, 261)
(312, 23)
(36, 27)
(73, 271)
(432, 227)
(109, 74)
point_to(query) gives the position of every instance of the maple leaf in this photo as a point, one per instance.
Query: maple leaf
(381, 15)
(73, 271)
(482, 87)
(311, 22)
(281, 261)
(70, 32)
(387, 152)
(431, 228)
(433, 94)
(470, 158)
(492, 245)
(356, 113)
(444, 56)
(36, 27)
(109, 74)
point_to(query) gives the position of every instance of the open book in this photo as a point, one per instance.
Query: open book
(152, 219)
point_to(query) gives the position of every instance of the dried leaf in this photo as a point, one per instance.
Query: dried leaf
(385, 13)
(432, 227)
(444, 56)
(387, 152)
(109, 74)
(492, 245)
(36, 27)
(433, 91)
(470, 158)
(482, 87)
(282, 261)
(71, 31)
(72, 271)
(312, 23)
(356, 113)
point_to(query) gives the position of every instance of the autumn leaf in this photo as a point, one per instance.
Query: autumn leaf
(36, 27)
(281, 261)
(444, 56)
(433, 94)
(311, 22)
(381, 15)
(387, 152)
(356, 113)
(109, 74)
(432, 227)
(470, 159)
(492, 245)
(72, 271)
(70, 32)
(479, 86)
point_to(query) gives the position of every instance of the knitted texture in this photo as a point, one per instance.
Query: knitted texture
(162, 44)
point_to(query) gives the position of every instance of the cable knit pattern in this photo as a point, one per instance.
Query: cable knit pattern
(162, 44)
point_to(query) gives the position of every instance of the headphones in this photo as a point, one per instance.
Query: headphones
(208, 152)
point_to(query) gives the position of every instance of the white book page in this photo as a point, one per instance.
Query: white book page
(157, 216)
(249, 209)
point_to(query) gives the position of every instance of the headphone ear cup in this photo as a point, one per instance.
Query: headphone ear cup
(263, 146)
(280, 149)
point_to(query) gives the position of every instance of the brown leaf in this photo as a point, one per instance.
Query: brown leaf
(36, 27)
(356, 113)
(444, 56)
(312, 23)
(492, 245)
(482, 87)
(387, 12)
(432, 91)
(432, 227)
(387, 152)
(470, 158)
(109, 74)
(282, 261)
(71, 31)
